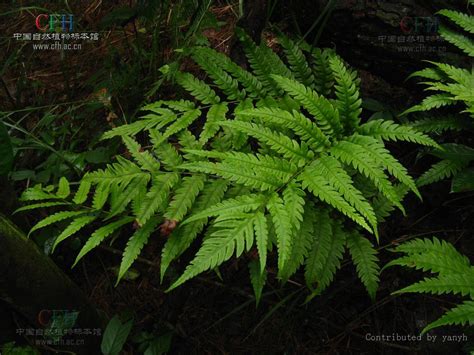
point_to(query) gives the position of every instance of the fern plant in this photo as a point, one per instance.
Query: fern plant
(451, 85)
(276, 156)
(454, 275)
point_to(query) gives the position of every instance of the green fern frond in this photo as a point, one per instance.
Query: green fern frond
(120, 173)
(231, 238)
(225, 82)
(40, 205)
(381, 155)
(183, 122)
(138, 199)
(324, 258)
(283, 228)
(293, 197)
(244, 203)
(276, 64)
(455, 91)
(463, 20)
(301, 244)
(308, 131)
(183, 236)
(433, 261)
(130, 129)
(429, 73)
(324, 80)
(121, 198)
(177, 105)
(365, 258)
(258, 278)
(440, 171)
(165, 151)
(198, 88)
(382, 206)
(238, 174)
(101, 195)
(321, 187)
(37, 193)
(55, 218)
(438, 124)
(432, 102)
(391, 131)
(296, 121)
(325, 115)
(278, 167)
(462, 284)
(456, 276)
(265, 156)
(333, 170)
(348, 99)
(279, 142)
(135, 245)
(459, 75)
(253, 87)
(184, 197)
(460, 315)
(143, 158)
(99, 235)
(259, 62)
(355, 155)
(261, 238)
(453, 84)
(156, 120)
(187, 140)
(297, 61)
(259, 164)
(453, 151)
(157, 197)
(434, 245)
(75, 226)
(439, 256)
(215, 114)
(459, 40)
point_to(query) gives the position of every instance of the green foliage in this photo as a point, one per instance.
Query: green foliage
(258, 278)
(6, 151)
(150, 343)
(366, 261)
(451, 86)
(455, 275)
(277, 162)
(12, 349)
(325, 252)
(115, 336)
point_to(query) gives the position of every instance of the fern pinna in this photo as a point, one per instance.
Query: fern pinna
(455, 275)
(452, 86)
(273, 156)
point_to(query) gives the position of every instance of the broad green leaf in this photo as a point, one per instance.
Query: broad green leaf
(115, 336)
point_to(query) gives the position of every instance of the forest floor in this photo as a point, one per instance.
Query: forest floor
(209, 315)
